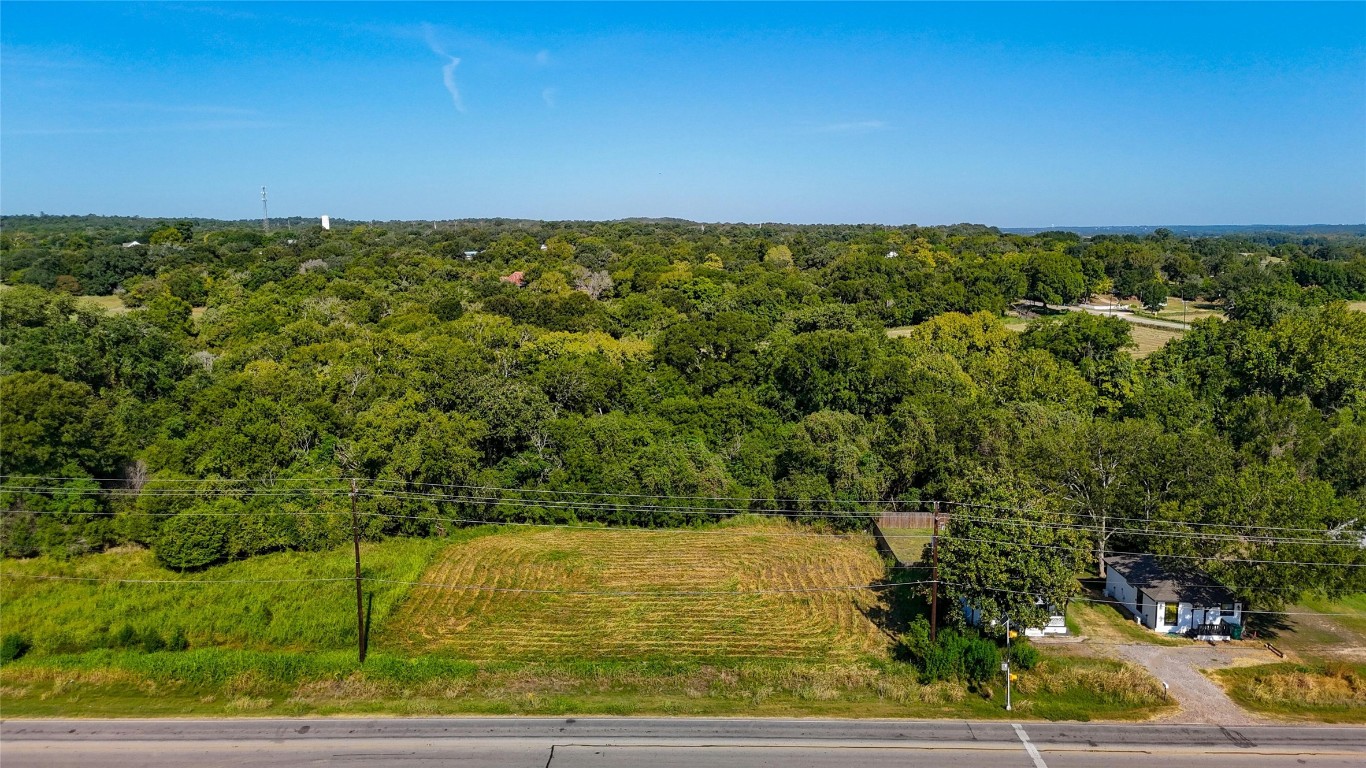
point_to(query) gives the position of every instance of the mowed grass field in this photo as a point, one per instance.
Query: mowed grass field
(756, 590)
(740, 619)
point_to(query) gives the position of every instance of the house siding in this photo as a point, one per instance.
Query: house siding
(1152, 613)
(1119, 589)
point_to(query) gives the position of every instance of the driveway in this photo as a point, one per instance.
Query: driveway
(1201, 699)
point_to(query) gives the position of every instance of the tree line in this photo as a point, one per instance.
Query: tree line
(741, 367)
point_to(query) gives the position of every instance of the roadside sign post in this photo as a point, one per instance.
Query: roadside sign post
(1006, 664)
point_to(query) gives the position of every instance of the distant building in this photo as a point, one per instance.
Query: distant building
(1056, 624)
(516, 278)
(326, 222)
(1174, 599)
(544, 246)
(132, 244)
(892, 254)
(470, 255)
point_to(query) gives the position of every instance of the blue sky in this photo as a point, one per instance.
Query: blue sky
(1003, 114)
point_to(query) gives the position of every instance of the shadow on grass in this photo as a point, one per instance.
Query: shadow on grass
(902, 602)
(1266, 626)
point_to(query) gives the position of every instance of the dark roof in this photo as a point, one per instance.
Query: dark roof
(1169, 582)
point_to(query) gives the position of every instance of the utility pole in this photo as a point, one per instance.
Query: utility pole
(1006, 665)
(265, 212)
(934, 578)
(360, 607)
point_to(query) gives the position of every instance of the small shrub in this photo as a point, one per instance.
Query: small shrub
(152, 641)
(1024, 656)
(12, 646)
(981, 660)
(178, 641)
(125, 637)
(192, 540)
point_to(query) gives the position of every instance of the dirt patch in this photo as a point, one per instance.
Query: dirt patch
(1201, 699)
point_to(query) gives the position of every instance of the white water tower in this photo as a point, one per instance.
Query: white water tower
(327, 222)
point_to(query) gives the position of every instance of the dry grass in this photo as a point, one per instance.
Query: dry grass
(111, 304)
(1359, 306)
(650, 614)
(1116, 683)
(1334, 692)
(1150, 339)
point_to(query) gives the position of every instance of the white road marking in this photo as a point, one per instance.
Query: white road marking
(1033, 753)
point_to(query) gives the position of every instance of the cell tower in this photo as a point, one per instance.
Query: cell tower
(265, 212)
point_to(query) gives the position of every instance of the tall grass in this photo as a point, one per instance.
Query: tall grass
(72, 616)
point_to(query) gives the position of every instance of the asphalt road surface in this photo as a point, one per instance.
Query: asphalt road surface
(665, 743)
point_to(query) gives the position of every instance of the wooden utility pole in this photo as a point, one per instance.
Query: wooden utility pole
(934, 578)
(360, 606)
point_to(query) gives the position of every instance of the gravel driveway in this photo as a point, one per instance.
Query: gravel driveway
(1201, 699)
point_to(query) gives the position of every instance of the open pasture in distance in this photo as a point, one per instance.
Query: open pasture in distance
(111, 304)
(1183, 311)
(1150, 339)
(754, 590)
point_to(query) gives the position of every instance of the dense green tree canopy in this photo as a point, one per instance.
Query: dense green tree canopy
(664, 373)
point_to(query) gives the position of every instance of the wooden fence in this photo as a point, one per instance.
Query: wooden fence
(888, 520)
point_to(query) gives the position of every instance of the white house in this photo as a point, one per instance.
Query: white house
(470, 255)
(1056, 624)
(1171, 598)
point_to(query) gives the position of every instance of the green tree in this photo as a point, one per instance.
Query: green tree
(193, 539)
(1054, 278)
(1153, 294)
(47, 423)
(1007, 564)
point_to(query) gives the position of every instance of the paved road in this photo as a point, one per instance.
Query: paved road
(1122, 314)
(1172, 325)
(665, 743)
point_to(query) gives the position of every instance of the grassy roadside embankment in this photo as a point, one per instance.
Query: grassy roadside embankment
(610, 632)
(1332, 692)
(1323, 678)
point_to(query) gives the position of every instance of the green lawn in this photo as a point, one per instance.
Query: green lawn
(1349, 612)
(910, 545)
(71, 616)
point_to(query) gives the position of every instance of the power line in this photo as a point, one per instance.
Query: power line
(717, 511)
(885, 535)
(1008, 543)
(46, 577)
(480, 587)
(1101, 601)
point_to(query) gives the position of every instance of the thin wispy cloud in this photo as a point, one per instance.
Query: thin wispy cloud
(447, 71)
(543, 57)
(859, 126)
(548, 96)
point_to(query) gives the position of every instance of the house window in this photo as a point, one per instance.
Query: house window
(1169, 615)
(1226, 608)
